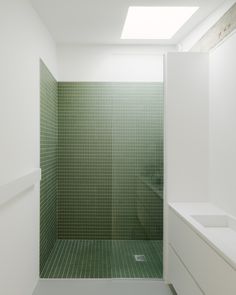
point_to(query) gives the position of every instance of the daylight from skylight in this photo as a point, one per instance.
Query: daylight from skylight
(155, 22)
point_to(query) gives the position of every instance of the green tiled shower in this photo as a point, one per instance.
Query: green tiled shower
(102, 179)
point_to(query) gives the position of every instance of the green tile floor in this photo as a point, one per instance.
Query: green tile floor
(104, 259)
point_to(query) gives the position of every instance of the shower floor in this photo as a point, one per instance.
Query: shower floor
(104, 259)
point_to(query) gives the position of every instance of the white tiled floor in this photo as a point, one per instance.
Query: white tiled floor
(101, 287)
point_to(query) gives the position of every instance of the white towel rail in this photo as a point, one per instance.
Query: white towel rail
(11, 189)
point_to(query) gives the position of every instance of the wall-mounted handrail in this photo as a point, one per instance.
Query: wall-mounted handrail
(11, 189)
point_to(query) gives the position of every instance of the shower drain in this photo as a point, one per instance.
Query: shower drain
(140, 258)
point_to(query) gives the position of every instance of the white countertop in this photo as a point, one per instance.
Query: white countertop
(222, 240)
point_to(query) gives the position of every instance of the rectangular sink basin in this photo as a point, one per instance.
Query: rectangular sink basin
(220, 230)
(216, 221)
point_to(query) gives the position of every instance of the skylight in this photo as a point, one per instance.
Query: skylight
(155, 22)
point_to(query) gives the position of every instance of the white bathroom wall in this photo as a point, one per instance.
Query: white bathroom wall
(187, 128)
(111, 63)
(23, 41)
(223, 125)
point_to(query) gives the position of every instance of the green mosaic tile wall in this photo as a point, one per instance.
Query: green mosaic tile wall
(85, 162)
(110, 172)
(48, 162)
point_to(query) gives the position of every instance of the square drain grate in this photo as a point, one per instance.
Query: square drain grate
(140, 258)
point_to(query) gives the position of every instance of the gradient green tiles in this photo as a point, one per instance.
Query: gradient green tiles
(110, 137)
(104, 259)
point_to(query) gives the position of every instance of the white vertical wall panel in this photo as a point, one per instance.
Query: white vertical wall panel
(187, 112)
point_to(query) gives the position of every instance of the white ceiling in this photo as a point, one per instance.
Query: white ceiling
(101, 21)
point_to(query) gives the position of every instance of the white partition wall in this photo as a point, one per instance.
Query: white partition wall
(187, 127)
(186, 132)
